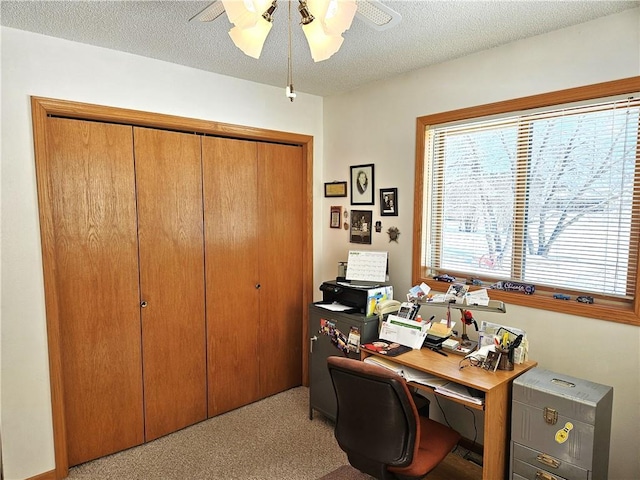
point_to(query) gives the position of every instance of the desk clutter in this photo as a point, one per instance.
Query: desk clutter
(408, 373)
(439, 384)
(499, 347)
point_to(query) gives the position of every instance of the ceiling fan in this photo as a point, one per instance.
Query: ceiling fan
(372, 12)
(323, 22)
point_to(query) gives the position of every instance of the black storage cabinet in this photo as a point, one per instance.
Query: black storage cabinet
(330, 334)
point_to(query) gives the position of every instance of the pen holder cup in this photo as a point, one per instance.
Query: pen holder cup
(505, 362)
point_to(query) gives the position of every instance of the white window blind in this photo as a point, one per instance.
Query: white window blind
(549, 198)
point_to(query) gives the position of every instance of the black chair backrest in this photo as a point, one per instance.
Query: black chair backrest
(376, 417)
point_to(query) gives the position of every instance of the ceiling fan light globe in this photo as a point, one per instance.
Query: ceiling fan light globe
(321, 45)
(245, 13)
(339, 16)
(251, 40)
(318, 8)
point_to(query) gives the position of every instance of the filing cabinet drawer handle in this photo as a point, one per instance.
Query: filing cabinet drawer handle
(545, 476)
(547, 460)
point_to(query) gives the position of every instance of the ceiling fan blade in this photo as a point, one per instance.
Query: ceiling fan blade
(377, 15)
(210, 13)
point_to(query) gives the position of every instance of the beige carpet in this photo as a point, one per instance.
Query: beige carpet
(346, 472)
(269, 440)
(272, 439)
(454, 467)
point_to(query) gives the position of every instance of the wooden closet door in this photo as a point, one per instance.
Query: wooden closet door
(170, 231)
(232, 238)
(281, 223)
(91, 190)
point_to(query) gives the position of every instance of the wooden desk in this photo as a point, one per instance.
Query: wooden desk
(497, 402)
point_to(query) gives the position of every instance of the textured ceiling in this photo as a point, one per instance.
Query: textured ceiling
(430, 32)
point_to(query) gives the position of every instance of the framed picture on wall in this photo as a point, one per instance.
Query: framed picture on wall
(361, 226)
(335, 189)
(362, 185)
(336, 217)
(389, 202)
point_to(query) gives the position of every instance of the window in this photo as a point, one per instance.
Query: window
(543, 190)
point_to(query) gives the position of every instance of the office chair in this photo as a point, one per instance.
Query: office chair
(378, 425)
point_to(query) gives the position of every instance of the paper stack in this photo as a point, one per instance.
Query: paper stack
(408, 373)
(455, 390)
(441, 330)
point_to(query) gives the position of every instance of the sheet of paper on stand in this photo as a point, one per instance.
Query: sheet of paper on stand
(461, 392)
(418, 291)
(477, 297)
(456, 293)
(367, 266)
(403, 331)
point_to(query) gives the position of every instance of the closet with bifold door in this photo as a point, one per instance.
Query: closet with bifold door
(175, 268)
(127, 216)
(171, 242)
(254, 214)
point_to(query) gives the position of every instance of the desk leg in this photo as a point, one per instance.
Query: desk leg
(497, 421)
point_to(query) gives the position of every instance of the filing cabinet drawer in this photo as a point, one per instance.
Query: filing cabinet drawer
(547, 463)
(529, 472)
(576, 447)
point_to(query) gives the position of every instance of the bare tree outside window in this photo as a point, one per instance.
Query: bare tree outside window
(543, 199)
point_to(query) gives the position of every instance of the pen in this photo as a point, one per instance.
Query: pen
(439, 351)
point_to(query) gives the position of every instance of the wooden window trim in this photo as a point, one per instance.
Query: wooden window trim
(615, 313)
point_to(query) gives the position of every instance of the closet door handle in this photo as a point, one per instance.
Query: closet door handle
(258, 286)
(143, 304)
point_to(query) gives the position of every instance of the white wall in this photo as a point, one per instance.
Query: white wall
(372, 125)
(377, 125)
(43, 66)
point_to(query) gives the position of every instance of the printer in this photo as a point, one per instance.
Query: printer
(363, 298)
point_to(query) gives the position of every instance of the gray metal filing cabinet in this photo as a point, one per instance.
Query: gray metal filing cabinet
(560, 427)
(333, 333)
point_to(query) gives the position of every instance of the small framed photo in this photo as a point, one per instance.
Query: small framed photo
(336, 217)
(362, 185)
(389, 202)
(361, 226)
(335, 189)
(492, 361)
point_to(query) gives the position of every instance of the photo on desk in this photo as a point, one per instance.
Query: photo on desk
(492, 361)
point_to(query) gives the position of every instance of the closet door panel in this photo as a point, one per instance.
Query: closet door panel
(281, 223)
(231, 221)
(92, 190)
(170, 232)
